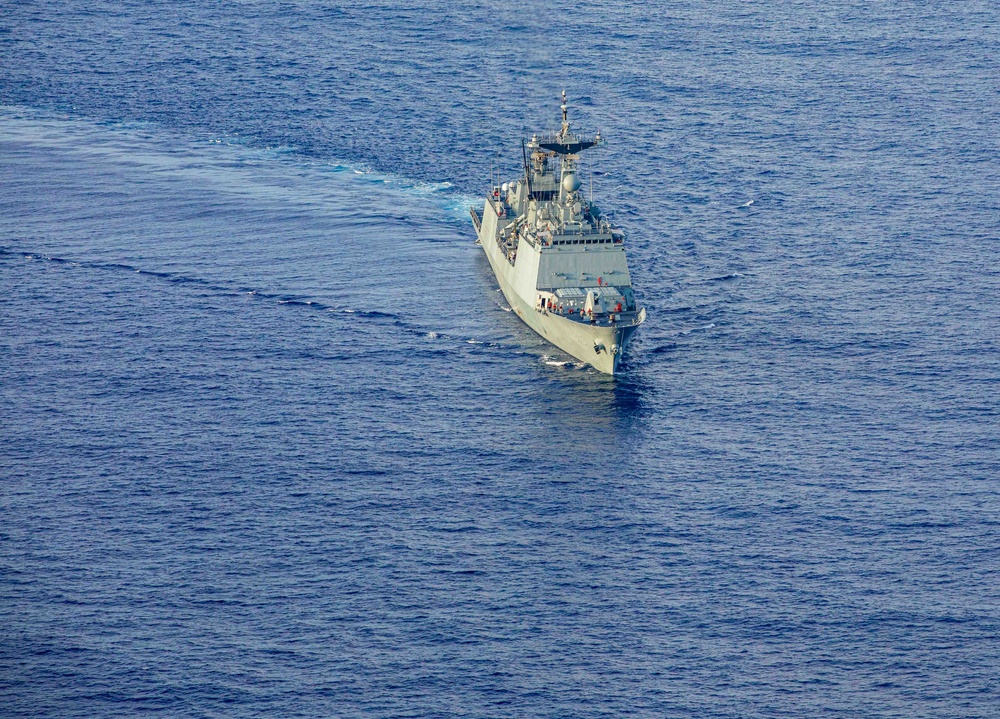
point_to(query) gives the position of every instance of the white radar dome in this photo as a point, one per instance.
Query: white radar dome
(504, 187)
(571, 183)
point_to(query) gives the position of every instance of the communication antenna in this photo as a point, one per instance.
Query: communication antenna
(564, 107)
(527, 175)
(597, 145)
(495, 162)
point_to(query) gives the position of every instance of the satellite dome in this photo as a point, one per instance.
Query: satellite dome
(571, 183)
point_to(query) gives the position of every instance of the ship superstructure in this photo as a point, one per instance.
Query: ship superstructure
(560, 263)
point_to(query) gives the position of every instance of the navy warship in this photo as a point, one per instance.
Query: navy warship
(560, 263)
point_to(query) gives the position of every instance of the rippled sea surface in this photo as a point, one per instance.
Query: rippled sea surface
(271, 446)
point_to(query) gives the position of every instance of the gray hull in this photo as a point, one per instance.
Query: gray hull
(600, 346)
(588, 344)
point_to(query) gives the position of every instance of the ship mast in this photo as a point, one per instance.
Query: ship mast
(565, 123)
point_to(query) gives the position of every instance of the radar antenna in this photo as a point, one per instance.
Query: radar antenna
(564, 142)
(564, 107)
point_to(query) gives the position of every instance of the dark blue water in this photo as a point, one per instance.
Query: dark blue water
(270, 446)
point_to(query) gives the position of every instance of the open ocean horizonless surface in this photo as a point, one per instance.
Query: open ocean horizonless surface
(272, 446)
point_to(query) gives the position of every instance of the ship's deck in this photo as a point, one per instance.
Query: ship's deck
(608, 319)
(608, 307)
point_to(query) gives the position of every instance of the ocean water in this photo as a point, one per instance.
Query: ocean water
(271, 444)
